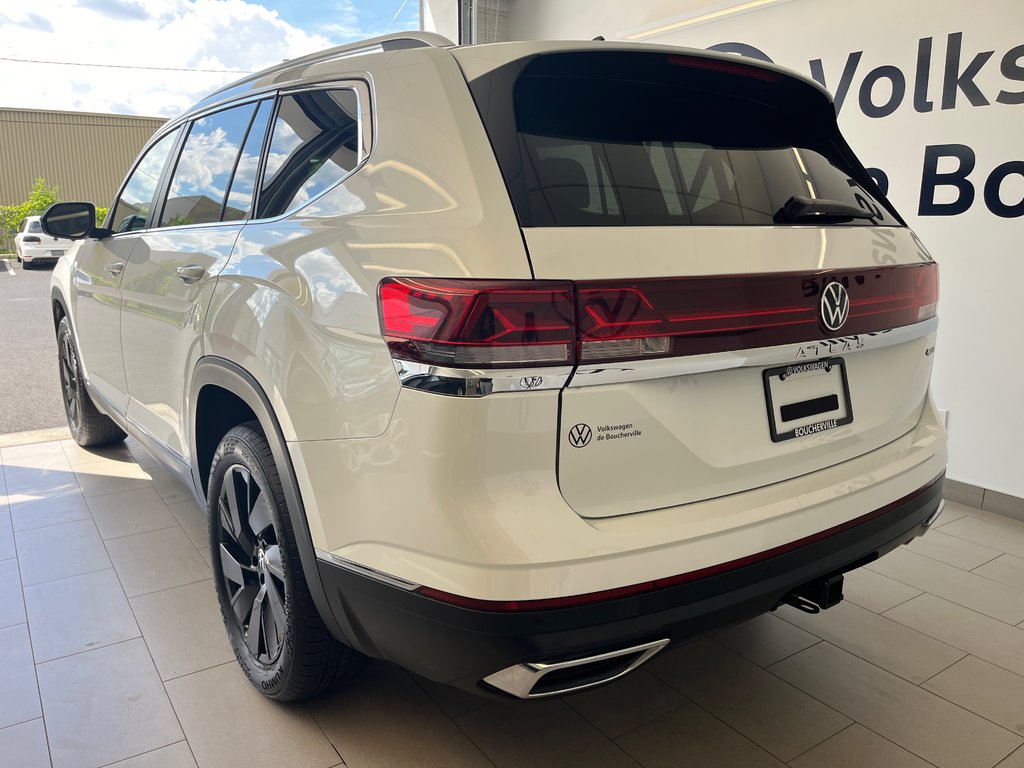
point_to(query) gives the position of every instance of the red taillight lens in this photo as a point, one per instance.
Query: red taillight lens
(699, 315)
(505, 323)
(478, 324)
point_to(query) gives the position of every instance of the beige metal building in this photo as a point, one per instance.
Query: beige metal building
(85, 154)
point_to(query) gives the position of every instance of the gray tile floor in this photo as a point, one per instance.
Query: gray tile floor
(114, 654)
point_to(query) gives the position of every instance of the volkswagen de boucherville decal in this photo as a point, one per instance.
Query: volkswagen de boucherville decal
(835, 306)
(579, 436)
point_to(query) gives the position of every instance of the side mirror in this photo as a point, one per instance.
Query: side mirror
(73, 221)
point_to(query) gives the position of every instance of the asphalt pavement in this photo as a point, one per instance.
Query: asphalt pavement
(29, 385)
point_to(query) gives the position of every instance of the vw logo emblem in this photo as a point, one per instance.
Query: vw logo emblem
(579, 436)
(835, 306)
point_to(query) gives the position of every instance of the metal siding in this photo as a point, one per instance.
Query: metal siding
(86, 155)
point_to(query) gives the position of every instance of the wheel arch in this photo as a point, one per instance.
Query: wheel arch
(59, 307)
(246, 399)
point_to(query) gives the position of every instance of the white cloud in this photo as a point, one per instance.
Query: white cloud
(194, 34)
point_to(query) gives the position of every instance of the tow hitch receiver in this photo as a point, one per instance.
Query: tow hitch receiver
(816, 596)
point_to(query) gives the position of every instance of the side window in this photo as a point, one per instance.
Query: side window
(243, 184)
(21, 226)
(315, 144)
(132, 209)
(201, 178)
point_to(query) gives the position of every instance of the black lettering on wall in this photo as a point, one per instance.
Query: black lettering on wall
(995, 181)
(931, 178)
(899, 89)
(1012, 70)
(743, 49)
(881, 179)
(924, 66)
(845, 80)
(957, 80)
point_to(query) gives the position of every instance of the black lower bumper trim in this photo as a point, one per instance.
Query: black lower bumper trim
(460, 645)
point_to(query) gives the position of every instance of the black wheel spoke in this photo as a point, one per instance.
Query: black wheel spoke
(242, 601)
(260, 518)
(273, 619)
(235, 569)
(252, 638)
(273, 561)
(234, 504)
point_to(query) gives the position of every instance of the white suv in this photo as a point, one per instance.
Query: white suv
(32, 247)
(514, 363)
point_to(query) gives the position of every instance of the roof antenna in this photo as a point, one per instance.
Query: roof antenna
(599, 37)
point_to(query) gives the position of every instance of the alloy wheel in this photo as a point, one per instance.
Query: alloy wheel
(69, 382)
(251, 566)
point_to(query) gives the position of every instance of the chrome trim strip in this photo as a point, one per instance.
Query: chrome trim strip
(465, 382)
(521, 679)
(365, 570)
(594, 374)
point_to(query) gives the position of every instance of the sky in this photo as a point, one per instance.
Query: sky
(188, 35)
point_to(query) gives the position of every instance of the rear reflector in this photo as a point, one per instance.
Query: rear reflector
(503, 323)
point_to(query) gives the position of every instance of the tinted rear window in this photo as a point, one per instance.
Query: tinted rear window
(642, 139)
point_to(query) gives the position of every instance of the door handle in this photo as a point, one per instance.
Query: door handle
(115, 268)
(191, 273)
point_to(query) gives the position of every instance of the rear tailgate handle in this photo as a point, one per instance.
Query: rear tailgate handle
(115, 268)
(190, 273)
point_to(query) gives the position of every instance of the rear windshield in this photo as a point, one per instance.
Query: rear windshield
(35, 227)
(643, 139)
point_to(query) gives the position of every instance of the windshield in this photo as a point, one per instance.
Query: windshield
(642, 139)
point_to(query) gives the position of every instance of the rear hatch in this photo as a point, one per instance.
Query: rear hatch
(750, 308)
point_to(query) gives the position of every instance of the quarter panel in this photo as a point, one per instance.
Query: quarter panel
(297, 304)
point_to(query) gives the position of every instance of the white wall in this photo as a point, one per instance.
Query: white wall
(442, 17)
(979, 366)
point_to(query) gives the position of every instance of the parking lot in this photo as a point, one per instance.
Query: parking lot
(29, 388)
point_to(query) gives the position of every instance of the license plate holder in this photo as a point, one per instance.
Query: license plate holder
(808, 398)
(57, 254)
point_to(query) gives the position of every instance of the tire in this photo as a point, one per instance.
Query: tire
(289, 654)
(89, 427)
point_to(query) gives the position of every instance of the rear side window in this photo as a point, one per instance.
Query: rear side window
(315, 144)
(640, 139)
(199, 187)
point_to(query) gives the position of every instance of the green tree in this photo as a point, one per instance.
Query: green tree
(40, 198)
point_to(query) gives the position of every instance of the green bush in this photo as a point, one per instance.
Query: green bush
(40, 198)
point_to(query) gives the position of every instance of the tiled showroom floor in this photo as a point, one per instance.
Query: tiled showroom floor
(113, 650)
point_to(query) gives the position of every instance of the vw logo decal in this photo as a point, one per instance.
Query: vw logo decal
(835, 306)
(579, 436)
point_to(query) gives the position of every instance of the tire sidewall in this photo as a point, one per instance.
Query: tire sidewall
(270, 679)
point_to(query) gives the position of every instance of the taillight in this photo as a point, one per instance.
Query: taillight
(479, 323)
(501, 323)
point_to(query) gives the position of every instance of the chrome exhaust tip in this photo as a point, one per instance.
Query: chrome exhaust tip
(536, 680)
(935, 515)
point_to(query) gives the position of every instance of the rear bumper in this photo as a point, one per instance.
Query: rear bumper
(461, 645)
